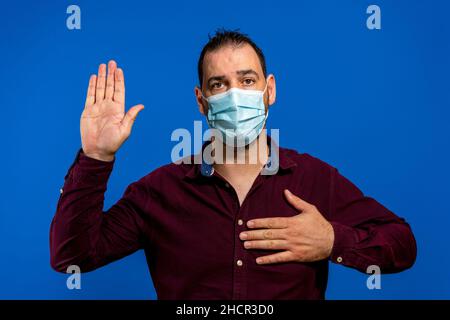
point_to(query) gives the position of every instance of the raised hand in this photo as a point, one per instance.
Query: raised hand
(104, 125)
(305, 237)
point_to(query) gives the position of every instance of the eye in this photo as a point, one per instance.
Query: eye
(249, 82)
(216, 85)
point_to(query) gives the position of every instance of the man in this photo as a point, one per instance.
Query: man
(223, 231)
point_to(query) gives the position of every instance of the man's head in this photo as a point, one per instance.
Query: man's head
(231, 59)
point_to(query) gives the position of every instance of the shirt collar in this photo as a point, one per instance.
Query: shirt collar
(207, 170)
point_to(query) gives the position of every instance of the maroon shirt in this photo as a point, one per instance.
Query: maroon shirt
(188, 222)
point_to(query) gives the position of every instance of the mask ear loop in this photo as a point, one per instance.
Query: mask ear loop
(207, 103)
(264, 91)
(265, 88)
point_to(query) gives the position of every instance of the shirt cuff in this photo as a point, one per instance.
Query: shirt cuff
(345, 240)
(89, 169)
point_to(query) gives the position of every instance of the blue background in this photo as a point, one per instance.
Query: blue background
(374, 104)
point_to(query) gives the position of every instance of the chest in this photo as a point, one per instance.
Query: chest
(242, 188)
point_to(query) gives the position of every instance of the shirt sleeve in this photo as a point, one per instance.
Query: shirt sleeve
(81, 233)
(367, 233)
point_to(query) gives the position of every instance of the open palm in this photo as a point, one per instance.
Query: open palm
(104, 125)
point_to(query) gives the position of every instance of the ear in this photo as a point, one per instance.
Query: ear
(271, 89)
(200, 100)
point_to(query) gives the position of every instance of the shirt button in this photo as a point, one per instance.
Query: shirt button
(239, 263)
(240, 222)
(61, 191)
(227, 185)
(339, 259)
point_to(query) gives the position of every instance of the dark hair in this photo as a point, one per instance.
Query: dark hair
(225, 37)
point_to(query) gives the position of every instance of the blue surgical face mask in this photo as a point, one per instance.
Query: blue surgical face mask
(239, 115)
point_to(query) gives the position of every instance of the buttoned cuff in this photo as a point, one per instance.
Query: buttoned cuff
(345, 240)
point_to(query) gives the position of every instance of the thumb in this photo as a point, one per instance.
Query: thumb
(131, 115)
(296, 202)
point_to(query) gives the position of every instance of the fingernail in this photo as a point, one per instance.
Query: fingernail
(258, 260)
(243, 236)
(250, 223)
(247, 244)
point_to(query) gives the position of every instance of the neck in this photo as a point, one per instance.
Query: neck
(242, 161)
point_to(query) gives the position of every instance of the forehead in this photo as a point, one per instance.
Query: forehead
(230, 58)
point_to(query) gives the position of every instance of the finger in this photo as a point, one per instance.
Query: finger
(131, 115)
(284, 256)
(267, 244)
(296, 202)
(271, 223)
(90, 97)
(101, 83)
(109, 92)
(119, 87)
(262, 234)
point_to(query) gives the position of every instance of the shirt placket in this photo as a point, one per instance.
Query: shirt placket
(240, 256)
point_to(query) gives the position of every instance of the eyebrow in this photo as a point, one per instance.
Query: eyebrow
(246, 72)
(239, 72)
